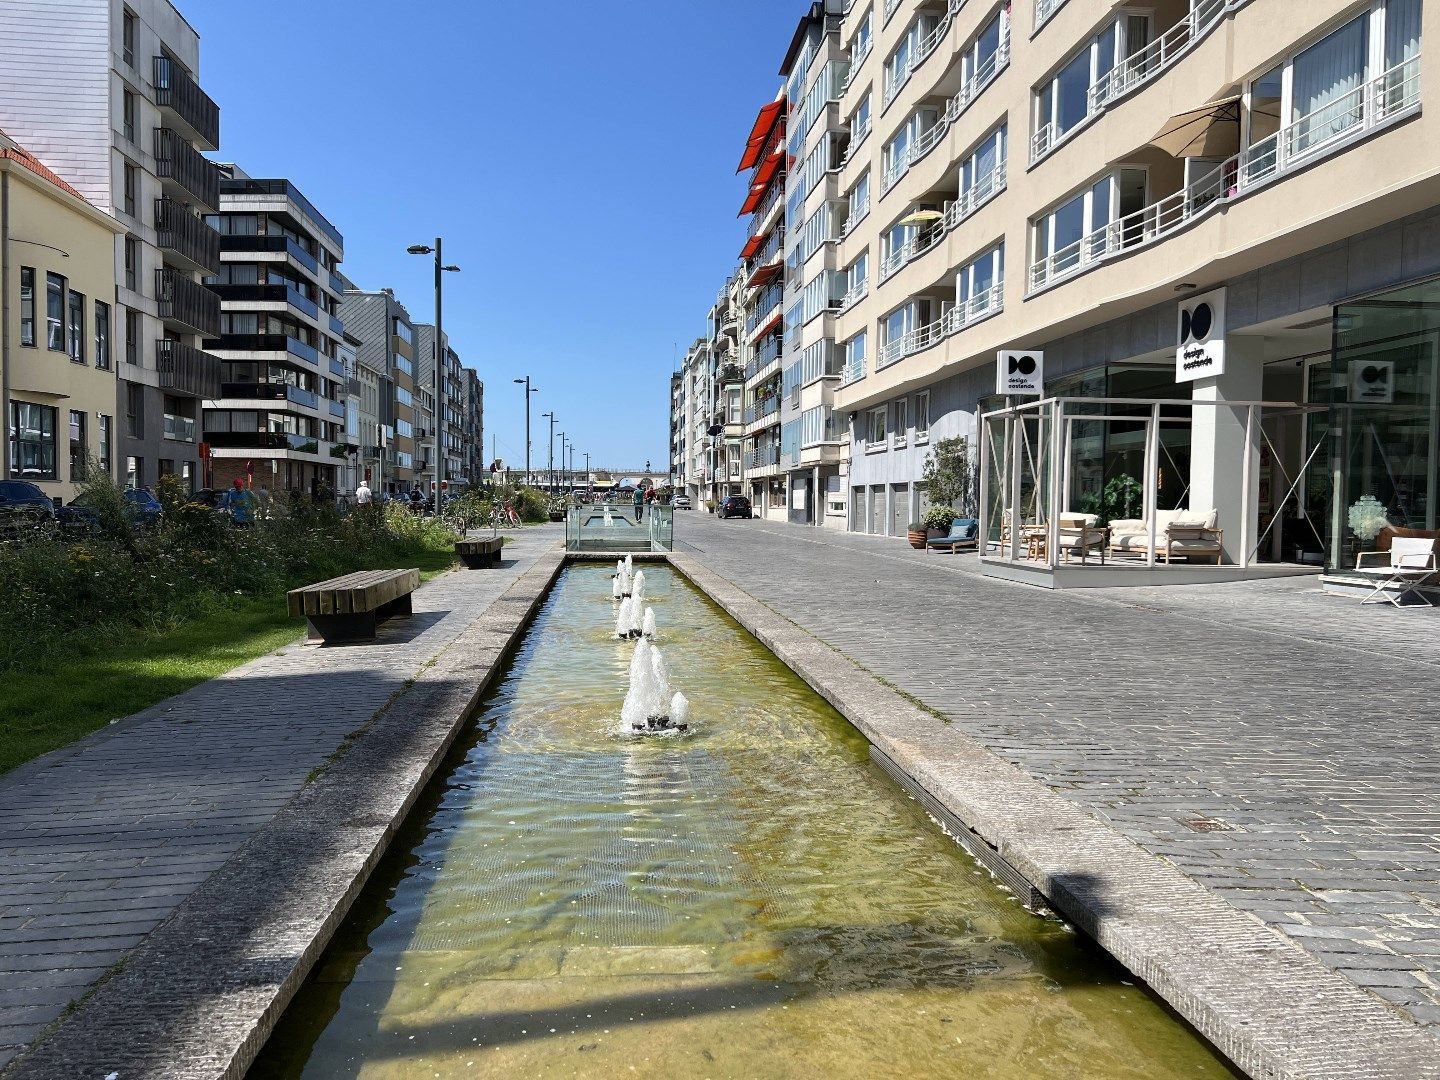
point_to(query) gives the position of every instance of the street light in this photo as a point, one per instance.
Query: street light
(528, 391)
(587, 472)
(438, 411)
(551, 416)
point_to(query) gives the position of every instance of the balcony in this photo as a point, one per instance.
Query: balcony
(191, 307)
(186, 238)
(179, 428)
(982, 305)
(336, 409)
(924, 49)
(956, 211)
(180, 96)
(252, 188)
(853, 371)
(267, 391)
(1331, 129)
(273, 244)
(184, 172)
(263, 440)
(336, 326)
(269, 294)
(185, 370)
(766, 457)
(1043, 10)
(265, 343)
(761, 409)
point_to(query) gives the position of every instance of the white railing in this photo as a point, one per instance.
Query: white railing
(853, 371)
(1044, 9)
(857, 292)
(855, 62)
(857, 136)
(924, 49)
(1325, 131)
(1140, 67)
(980, 306)
(975, 196)
(857, 215)
(890, 7)
(912, 249)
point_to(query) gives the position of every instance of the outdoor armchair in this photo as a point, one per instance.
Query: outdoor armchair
(1407, 566)
(1080, 534)
(964, 533)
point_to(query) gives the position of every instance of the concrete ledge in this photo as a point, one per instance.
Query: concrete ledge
(1270, 1007)
(201, 994)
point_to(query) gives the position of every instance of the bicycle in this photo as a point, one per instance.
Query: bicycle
(503, 517)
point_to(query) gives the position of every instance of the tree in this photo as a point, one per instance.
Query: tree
(949, 475)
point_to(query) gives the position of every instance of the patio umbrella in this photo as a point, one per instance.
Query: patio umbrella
(1211, 131)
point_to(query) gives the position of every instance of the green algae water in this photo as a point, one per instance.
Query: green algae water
(751, 899)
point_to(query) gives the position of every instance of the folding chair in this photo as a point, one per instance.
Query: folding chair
(1409, 564)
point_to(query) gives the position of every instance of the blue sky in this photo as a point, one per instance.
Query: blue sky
(578, 158)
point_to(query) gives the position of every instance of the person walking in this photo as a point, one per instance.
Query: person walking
(639, 504)
(241, 503)
(363, 494)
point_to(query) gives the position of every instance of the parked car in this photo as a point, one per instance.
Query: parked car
(682, 502)
(140, 508)
(22, 502)
(736, 506)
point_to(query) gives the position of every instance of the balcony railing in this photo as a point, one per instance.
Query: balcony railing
(764, 307)
(980, 306)
(265, 440)
(178, 428)
(853, 295)
(186, 370)
(762, 213)
(764, 458)
(184, 166)
(855, 61)
(183, 301)
(761, 409)
(273, 244)
(924, 49)
(181, 95)
(269, 391)
(269, 294)
(1328, 130)
(272, 343)
(237, 186)
(853, 371)
(1044, 9)
(183, 234)
(1140, 67)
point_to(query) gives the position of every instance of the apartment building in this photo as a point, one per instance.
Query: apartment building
(476, 463)
(451, 418)
(279, 414)
(678, 456)
(105, 92)
(57, 357)
(387, 348)
(1202, 226)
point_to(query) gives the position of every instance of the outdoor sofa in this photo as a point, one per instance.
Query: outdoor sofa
(1190, 534)
(964, 533)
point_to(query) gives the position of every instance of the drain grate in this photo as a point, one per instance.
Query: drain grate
(1209, 824)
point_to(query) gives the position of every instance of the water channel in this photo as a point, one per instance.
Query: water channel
(751, 899)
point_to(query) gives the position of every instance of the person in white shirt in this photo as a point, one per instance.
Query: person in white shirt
(362, 494)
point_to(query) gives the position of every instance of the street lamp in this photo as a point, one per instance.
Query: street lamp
(562, 457)
(587, 472)
(551, 416)
(438, 410)
(528, 391)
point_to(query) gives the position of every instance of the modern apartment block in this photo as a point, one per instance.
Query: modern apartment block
(1197, 230)
(57, 358)
(451, 418)
(279, 414)
(388, 348)
(476, 463)
(105, 92)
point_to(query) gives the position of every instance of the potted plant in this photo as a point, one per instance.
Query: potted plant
(710, 505)
(917, 535)
(937, 521)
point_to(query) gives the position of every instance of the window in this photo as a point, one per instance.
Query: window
(55, 312)
(403, 331)
(132, 186)
(404, 397)
(102, 335)
(134, 472)
(127, 37)
(875, 438)
(856, 278)
(907, 56)
(132, 261)
(103, 457)
(32, 441)
(982, 174)
(902, 421)
(404, 366)
(859, 201)
(128, 115)
(403, 428)
(27, 306)
(135, 410)
(1083, 85)
(855, 357)
(77, 445)
(132, 337)
(922, 416)
(977, 285)
(77, 327)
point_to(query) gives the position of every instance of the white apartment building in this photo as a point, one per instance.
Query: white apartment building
(105, 92)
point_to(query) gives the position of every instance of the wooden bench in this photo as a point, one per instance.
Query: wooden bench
(348, 608)
(480, 553)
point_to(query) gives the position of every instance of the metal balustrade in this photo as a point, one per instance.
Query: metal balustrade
(980, 306)
(924, 48)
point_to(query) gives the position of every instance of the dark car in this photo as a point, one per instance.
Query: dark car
(736, 506)
(24, 502)
(141, 508)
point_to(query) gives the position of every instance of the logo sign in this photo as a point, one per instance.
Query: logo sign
(1372, 382)
(1200, 353)
(1019, 372)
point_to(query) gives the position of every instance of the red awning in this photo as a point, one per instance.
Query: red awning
(760, 134)
(764, 275)
(761, 184)
(751, 246)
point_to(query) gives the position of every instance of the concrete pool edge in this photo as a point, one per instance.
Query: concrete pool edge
(1264, 1002)
(201, 994)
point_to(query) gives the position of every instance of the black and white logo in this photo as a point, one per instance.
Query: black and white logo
(1200, 349)
(1372, 382)
(1019, 372)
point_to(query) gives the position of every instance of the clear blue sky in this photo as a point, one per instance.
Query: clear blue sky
(578, 157)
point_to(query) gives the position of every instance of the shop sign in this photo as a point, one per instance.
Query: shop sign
(1200, 353)
(1372, 382)
(1018, 372)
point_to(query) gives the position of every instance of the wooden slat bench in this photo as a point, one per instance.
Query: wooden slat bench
(348, 608)
(477, 553)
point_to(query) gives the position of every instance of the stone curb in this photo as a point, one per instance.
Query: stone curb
(199, 996)
(1269, 1006)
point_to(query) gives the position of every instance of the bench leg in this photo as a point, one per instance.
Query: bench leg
(399, 606)
(341, 628)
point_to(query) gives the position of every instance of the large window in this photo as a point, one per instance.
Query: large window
(859, 201)
(404, 332)
(102, 335)
(132, 337)
(103, 456)
(135, 410)
(1078, 230)
(982, 174)
(55, 312)
(1064, 100)
(855, 357)
(132, 262)
(77, 327)
(875, 436)
(922, 416)
(78, 449)
(32, 441)
(27, 305)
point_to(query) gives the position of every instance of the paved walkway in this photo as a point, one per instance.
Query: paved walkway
(1279, 746)
(100, 842)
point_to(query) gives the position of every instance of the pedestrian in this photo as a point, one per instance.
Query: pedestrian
(363, 494)
(240, 503)
(417, 501)
(639, 504)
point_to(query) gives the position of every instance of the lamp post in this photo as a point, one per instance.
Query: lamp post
(438, 408)
(587, 472)
(551, 417)
(528, 391)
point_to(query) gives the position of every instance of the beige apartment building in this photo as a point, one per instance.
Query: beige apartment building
(1207, 227)
(57, 355)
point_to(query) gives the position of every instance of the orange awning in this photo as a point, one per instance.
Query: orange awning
(760, 134)
(751, 246)
(764, 275)
(761, 184)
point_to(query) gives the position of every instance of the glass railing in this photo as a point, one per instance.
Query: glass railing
(290, 192)
(179, 428)
(270, 391)
(265, 343)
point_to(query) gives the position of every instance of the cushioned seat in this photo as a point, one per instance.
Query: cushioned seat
(963, 533)
(1188, 534)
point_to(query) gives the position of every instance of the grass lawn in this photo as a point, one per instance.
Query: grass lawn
(82, 686)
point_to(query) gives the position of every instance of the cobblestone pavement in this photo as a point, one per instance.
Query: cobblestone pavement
(1278, 745)
(100, 842)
